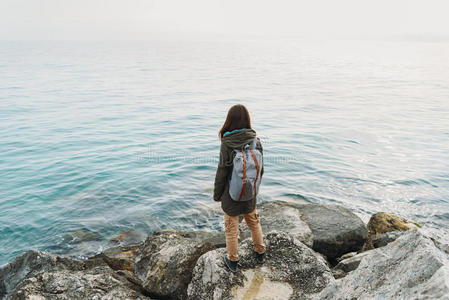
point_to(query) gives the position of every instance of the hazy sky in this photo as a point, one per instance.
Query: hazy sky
(139, 19)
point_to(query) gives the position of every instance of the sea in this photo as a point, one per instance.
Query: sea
(99, 138)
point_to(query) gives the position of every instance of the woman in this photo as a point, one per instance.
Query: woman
(235, 133)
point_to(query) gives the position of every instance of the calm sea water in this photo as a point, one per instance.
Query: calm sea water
(100, 138)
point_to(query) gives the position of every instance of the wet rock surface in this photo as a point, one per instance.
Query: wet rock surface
(128, 238)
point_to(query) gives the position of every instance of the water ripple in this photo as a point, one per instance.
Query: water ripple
(92, 148)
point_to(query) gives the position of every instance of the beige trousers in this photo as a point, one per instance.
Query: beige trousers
(252, 219)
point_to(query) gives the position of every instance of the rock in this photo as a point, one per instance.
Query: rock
(351, 263)
(281, 216)
(291, 271)
(336, 229)
(82, 235)
(346, 263)
(383, 222)
(258, 285)
(39, 275)
(80, 244)
(412, 267)
(90, 284)
(441, 246)
(329, 229)
(216, 239)
(127, 238)
(166, 259)
(119, 258)
(28, 264)
(386, 238)
(345, 256)
(338, 273)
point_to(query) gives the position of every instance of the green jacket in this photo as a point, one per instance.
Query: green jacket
(224, 170)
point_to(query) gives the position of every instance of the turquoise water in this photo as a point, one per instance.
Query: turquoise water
(101, 138)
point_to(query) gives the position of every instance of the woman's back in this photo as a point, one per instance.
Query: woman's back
(235, 133)
(230, 142)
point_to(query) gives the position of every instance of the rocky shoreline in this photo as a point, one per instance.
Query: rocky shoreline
(313, 252)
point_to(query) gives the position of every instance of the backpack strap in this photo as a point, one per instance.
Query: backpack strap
(243, 192)
(257, 167)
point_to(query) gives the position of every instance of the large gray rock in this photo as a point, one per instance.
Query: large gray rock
(350, 264)
(39, 275)
(336, 229)
(386, 238)
(291, 271)
(165, 261)
(329, 229)
(281, 216)
(412, 267)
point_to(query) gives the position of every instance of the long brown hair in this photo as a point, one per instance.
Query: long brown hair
(238, 117)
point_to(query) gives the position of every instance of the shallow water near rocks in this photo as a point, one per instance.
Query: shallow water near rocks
(102, 138)
(259, 286)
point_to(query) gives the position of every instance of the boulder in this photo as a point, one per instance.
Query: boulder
(338, 273)
(82, 235)
(329, 229)
(281, 216)
(80, 244)
(351, 263)
(216, 239)
(336, 229)
(291, 271)
(165, 261)
(381, 223)
(91, 284)
(386, 238)
(127, 238)
(123, 257)
(40, 275)
(345, 256)
(119, 258)
(412, 267)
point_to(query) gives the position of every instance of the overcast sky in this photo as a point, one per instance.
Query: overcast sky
(140, 19)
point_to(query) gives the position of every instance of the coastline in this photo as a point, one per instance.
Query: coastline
(313, 252)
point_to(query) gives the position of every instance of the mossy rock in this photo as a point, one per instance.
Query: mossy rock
(382, 222)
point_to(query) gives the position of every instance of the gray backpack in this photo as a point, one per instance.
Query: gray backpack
(245, 177)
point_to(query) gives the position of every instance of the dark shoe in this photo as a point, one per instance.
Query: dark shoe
(232, 265)
(259, 257)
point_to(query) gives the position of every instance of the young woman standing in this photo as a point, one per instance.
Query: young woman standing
(236, 133)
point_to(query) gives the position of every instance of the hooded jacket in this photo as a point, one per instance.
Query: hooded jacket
(231, 141)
